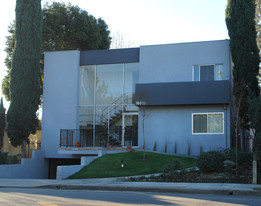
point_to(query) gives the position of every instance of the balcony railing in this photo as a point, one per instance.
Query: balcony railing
(79, 138)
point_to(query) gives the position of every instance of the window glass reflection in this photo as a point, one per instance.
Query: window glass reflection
(101, 103)
(131, 77)
(86, 87)
(109, 83)
(215, 123)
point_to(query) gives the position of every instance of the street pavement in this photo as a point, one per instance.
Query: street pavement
(116, 184)
(54, 197)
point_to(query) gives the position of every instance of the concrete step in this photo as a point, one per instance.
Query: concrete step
(64, 172)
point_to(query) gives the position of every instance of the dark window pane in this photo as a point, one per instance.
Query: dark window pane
(200, 123)
(207, 73)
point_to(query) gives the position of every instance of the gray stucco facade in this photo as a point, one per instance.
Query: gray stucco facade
(171, 126)
(93, 103)
(93, 97)
(166, 79)
(165, 70)
(173, 62)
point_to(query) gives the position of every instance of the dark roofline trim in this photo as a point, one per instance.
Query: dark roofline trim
(110, 56)
(183, 93)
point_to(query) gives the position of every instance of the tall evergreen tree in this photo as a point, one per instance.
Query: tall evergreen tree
(25, 73)
(65, 27)
(2, 122)
(240, 20)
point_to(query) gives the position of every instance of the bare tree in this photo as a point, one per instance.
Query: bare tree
(144, 102)
(119, 41)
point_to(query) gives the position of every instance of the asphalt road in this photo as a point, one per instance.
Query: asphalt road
(49, 197)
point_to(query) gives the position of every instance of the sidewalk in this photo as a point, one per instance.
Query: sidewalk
(117, 185)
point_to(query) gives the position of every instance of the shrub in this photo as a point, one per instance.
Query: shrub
(12, 159)
(245, 159)
(172, 166)
(211, 161)
(226, 152)
(3, 157)
(257, 145)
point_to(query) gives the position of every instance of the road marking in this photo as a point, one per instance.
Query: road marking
(91, 203)
(47, 203)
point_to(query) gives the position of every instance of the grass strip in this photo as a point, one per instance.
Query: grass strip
(110, 165)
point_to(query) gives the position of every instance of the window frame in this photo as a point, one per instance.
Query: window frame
(199, 65)
(207, 113)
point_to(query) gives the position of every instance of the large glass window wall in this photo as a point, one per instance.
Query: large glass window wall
(106, 92)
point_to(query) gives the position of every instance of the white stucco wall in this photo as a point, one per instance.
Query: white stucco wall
(60, 98)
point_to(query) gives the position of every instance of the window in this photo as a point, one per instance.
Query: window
(208, 72)
(208, 123)
(105, 92)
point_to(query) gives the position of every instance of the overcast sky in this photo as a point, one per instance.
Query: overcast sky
(143, 22)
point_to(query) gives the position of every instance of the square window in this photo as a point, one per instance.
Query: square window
(208, 73)
(200, 123)
(208, 123)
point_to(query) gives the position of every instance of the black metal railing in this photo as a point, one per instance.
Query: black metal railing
(79, 138)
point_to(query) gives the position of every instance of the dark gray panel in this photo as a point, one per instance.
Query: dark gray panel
(183, 93)
(112, 56)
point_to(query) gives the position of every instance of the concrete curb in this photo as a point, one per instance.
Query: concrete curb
(146, 189)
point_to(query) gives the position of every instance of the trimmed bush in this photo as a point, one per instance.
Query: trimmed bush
(257, 145)
(245, 159)
(3, 157)
(172, 166)
(12, 159)
(211, 161)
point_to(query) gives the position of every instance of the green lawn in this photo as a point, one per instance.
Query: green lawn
(257, 188)
(110, 165)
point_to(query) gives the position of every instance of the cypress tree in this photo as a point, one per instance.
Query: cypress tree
(25, 73)
(65, 27)
(2, 122)
(240, 20)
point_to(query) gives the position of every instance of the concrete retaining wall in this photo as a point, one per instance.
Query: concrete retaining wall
(64, 172)
(31, 168)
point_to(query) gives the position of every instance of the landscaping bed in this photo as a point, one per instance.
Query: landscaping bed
(217, 166)
(193, 176)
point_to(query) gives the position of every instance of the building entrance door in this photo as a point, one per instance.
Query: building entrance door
(130, 129)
